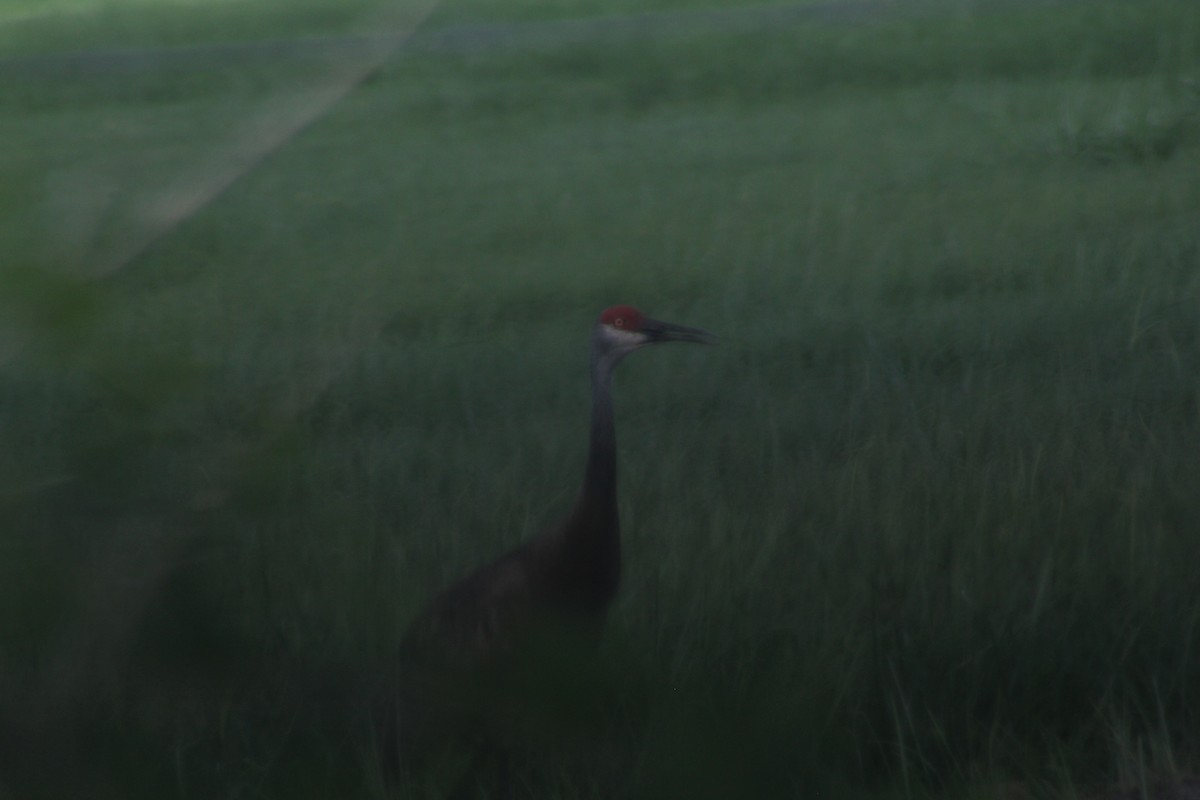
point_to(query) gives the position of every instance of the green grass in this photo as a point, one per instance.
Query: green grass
(70, 25)
(28, 28)
(922, 525)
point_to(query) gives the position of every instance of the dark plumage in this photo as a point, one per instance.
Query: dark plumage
(459, 661)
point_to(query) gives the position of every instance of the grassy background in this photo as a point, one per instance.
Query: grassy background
(924, 523)
(32, 27)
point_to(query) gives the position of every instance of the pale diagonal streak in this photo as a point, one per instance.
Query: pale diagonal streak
(158, 211)
(272, 125)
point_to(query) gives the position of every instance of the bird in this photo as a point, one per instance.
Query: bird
(460, 658)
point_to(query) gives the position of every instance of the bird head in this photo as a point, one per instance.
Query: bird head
(622, 329)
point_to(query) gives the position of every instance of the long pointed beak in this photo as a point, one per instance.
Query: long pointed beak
(670, 332)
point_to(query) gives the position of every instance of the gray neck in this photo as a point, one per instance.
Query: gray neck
(600, 477)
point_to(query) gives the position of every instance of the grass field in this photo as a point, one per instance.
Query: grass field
(923, 525)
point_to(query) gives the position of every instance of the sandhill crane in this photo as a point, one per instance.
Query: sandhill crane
(562, 580)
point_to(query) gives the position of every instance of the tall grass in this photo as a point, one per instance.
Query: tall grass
(923, 523)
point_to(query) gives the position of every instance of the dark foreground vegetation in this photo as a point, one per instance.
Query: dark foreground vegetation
(925, 523)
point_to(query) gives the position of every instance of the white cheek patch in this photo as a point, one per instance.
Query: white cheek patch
(624, 338)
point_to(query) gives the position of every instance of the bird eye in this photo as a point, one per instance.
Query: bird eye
(619, 322)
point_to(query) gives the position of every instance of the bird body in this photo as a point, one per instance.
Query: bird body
(561, 581)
